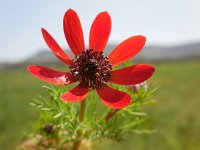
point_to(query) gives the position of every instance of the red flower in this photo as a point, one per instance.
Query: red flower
(90, 67)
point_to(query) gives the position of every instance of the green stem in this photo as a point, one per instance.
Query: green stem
(82, 110)
(81, 119)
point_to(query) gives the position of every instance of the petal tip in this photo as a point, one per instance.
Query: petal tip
(69, 11)
(75, 95)
(105, 12)
(151, 68)
(123, 103)
(141, 37)
(62, 97)
(44, 32)
(113, 98)
(30, 67)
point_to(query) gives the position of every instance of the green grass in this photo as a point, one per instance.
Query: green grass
(175, 116)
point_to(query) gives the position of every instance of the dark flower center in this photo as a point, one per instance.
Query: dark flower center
(91, 69)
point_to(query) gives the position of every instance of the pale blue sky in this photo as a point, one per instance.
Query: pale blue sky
(163, 22)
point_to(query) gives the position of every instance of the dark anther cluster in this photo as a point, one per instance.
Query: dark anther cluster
(91, 69)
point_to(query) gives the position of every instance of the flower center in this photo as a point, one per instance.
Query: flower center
(91, 69)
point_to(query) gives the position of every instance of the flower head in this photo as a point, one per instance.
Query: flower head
(90, 67)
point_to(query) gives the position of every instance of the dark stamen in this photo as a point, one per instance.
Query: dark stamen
(91, 69)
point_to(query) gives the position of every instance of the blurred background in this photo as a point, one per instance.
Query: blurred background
(173, 47)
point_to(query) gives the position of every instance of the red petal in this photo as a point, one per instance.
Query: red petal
(113, 98)
(132, 75)
(73, 32)
(50, 75)
(127, 49)
(100, 31)
(77, 94)
(56, 49)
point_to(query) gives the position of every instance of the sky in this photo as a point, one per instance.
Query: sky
(163, 22)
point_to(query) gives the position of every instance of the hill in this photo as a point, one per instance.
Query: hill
(148, 54)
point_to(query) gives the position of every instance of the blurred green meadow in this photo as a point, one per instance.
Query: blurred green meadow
(175, 116)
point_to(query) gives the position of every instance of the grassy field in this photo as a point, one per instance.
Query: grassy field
(175, 116)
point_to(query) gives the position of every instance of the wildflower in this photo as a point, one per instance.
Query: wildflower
(90, 67)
